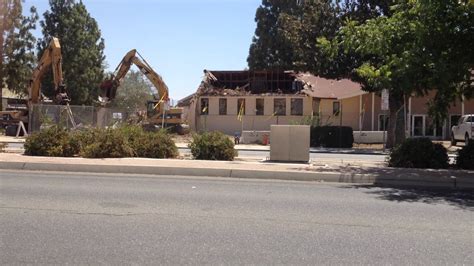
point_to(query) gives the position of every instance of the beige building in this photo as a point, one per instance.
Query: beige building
(236, 101)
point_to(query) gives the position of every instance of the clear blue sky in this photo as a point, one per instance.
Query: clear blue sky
(179, 38)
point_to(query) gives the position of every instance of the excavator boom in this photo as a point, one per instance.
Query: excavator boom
(109, 87)
(156, 111)
(51, 57)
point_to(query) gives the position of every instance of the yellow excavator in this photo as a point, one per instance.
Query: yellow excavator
(51, 58)
(159, 113)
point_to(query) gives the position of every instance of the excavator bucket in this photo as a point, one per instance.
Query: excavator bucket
(108, 90)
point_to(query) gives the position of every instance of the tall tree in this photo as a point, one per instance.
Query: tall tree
(133, 93)
(287, 31)
(270, 49)
(425, 45)
(17, 46)
(312, 19)
(82, 48)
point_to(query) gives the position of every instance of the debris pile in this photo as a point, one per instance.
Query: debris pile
(244, 83)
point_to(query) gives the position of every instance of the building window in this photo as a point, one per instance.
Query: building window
(279, 106)
(222, 106)
(418, 125)
(240, 107)
(259, 106)
(383, 122)
(296, 106)
(336, 108)
(204, 106)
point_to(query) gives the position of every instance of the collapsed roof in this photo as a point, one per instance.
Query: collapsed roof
(322, 88)
(237, 83)
(246, 82)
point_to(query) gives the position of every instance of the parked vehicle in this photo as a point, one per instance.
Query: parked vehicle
(463, 130)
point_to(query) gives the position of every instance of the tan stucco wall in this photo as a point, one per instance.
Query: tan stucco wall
(349, 115)
(229, 123)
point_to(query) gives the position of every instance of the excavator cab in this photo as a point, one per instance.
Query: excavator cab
(151, 109)
(62, 96)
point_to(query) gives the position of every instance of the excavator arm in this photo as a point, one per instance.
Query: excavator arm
(156, 114)
(51, 57)
(109, 87)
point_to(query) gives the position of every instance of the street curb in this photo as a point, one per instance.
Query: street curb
(311, 151)
(390, 177)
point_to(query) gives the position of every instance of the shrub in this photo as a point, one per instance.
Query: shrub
(332, 137)
(53, 141)
(419, 153)
(106, 143)
(465, 158)
(155, 145)
(2, 146)
(212, 146)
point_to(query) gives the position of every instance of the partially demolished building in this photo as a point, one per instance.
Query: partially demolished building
(234, 101)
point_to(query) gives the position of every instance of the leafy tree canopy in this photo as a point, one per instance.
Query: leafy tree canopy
(17, 46)
(82, 49)
(286, 34)
(424, 45)
(133, 93)
(270, 49)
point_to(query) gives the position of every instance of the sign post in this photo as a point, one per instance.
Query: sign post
(384, 108)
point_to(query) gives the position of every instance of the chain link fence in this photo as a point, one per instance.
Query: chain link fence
(43, 116)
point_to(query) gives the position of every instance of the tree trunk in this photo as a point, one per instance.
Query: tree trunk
(396, 124)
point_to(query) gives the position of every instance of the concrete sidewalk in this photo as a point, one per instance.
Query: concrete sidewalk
(8, 139)
(321, 172)
(239, 147)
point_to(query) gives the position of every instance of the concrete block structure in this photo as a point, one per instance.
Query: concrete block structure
(289, 143)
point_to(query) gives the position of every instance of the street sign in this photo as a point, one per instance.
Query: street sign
(384, 101)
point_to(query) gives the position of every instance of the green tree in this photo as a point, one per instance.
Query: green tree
(312, 19)
(270, 49)
(287, 31)
(425, 45)
(133, 93)
(82, 49)
(17, 46)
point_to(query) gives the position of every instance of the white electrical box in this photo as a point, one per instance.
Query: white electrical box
(289, 143)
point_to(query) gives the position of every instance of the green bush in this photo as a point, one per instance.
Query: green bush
(332, 137)
(465, 158)
(53, 141)
(126, 141)
(419, 153)
(155, 145)
(212, 146)
(107, 143)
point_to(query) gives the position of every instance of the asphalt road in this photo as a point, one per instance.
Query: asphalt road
(74, 218)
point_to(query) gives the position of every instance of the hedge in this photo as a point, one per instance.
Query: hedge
(419, 153)
(125, 141)
(212, 146)
(332, 137)
(465, 159)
